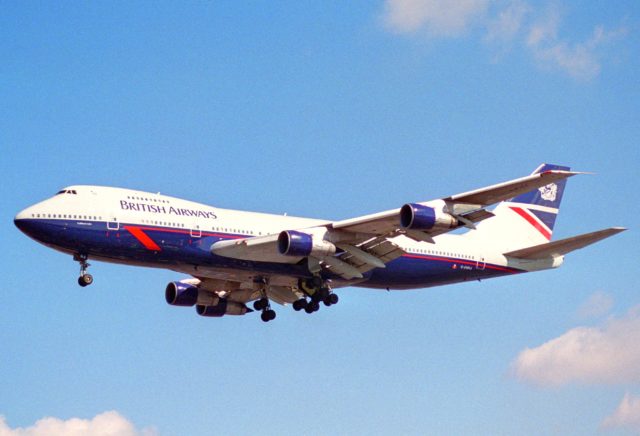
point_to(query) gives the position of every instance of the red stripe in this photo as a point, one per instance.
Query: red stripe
(524, 214)
(186, 232)
(446, 259)
(141, 236)
(440, 259)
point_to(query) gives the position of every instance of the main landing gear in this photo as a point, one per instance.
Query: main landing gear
(263, 305)
(318, 292)
(85, 278)
(315, 290)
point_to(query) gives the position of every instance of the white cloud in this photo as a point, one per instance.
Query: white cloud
(597, 305)
(627, 415)
(580, 60)
(105, 424)
(609, 354)
(437, 17)
(504, 23)
(545, 29)
(508, 22)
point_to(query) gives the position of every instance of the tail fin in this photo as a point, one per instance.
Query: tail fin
(525, 220)
(543, 203)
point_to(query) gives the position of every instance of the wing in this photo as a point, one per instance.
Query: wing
(349, 248)
(468, 205)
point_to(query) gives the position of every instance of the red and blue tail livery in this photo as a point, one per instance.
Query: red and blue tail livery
(240, 262)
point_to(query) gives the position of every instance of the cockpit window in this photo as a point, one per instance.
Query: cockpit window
(67, 191)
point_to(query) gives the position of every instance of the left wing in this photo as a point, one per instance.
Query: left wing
(351, 247)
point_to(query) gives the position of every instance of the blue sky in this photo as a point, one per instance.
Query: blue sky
(329, 110)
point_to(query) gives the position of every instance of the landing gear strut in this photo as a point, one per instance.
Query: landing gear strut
(85, 278)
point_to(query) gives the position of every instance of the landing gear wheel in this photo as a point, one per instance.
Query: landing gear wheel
(268, 315)
(312, 306)
(261, 304)
(333, 298)
(299, 304)
(85, 280)
(308, 309)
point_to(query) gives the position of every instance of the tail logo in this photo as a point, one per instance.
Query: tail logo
(549, 192)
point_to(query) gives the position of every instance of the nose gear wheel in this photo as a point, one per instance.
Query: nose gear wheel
(85, 279)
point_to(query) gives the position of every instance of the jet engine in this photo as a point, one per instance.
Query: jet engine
(181, 294)
(294, 243)
(207, 303)
(419, 217)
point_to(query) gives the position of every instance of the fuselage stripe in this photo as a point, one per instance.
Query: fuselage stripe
(143, 238)
(462, 262)
(186, 232)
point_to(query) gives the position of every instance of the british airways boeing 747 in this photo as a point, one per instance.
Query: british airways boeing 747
(237, 257)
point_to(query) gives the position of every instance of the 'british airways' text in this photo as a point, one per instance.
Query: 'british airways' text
(170, 210)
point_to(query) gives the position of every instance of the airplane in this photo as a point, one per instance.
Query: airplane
(238, 257)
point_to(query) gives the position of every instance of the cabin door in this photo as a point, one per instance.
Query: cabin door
(196, 232)
(113, 223)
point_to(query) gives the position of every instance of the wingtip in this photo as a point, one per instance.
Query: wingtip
(566, 172)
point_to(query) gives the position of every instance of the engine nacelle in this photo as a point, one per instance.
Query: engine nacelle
(294, 243)
(419, 217)
(223, 307)
(181, 294)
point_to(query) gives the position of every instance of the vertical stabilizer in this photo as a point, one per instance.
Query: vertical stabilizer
(525, 220)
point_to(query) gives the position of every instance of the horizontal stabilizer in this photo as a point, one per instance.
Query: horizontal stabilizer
(563, 246)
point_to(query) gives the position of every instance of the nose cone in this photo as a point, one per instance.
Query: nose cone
(26, 222)
(21, 219)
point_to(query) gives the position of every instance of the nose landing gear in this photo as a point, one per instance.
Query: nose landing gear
(85, 278)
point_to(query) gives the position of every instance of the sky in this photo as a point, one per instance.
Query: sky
(329, 110)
